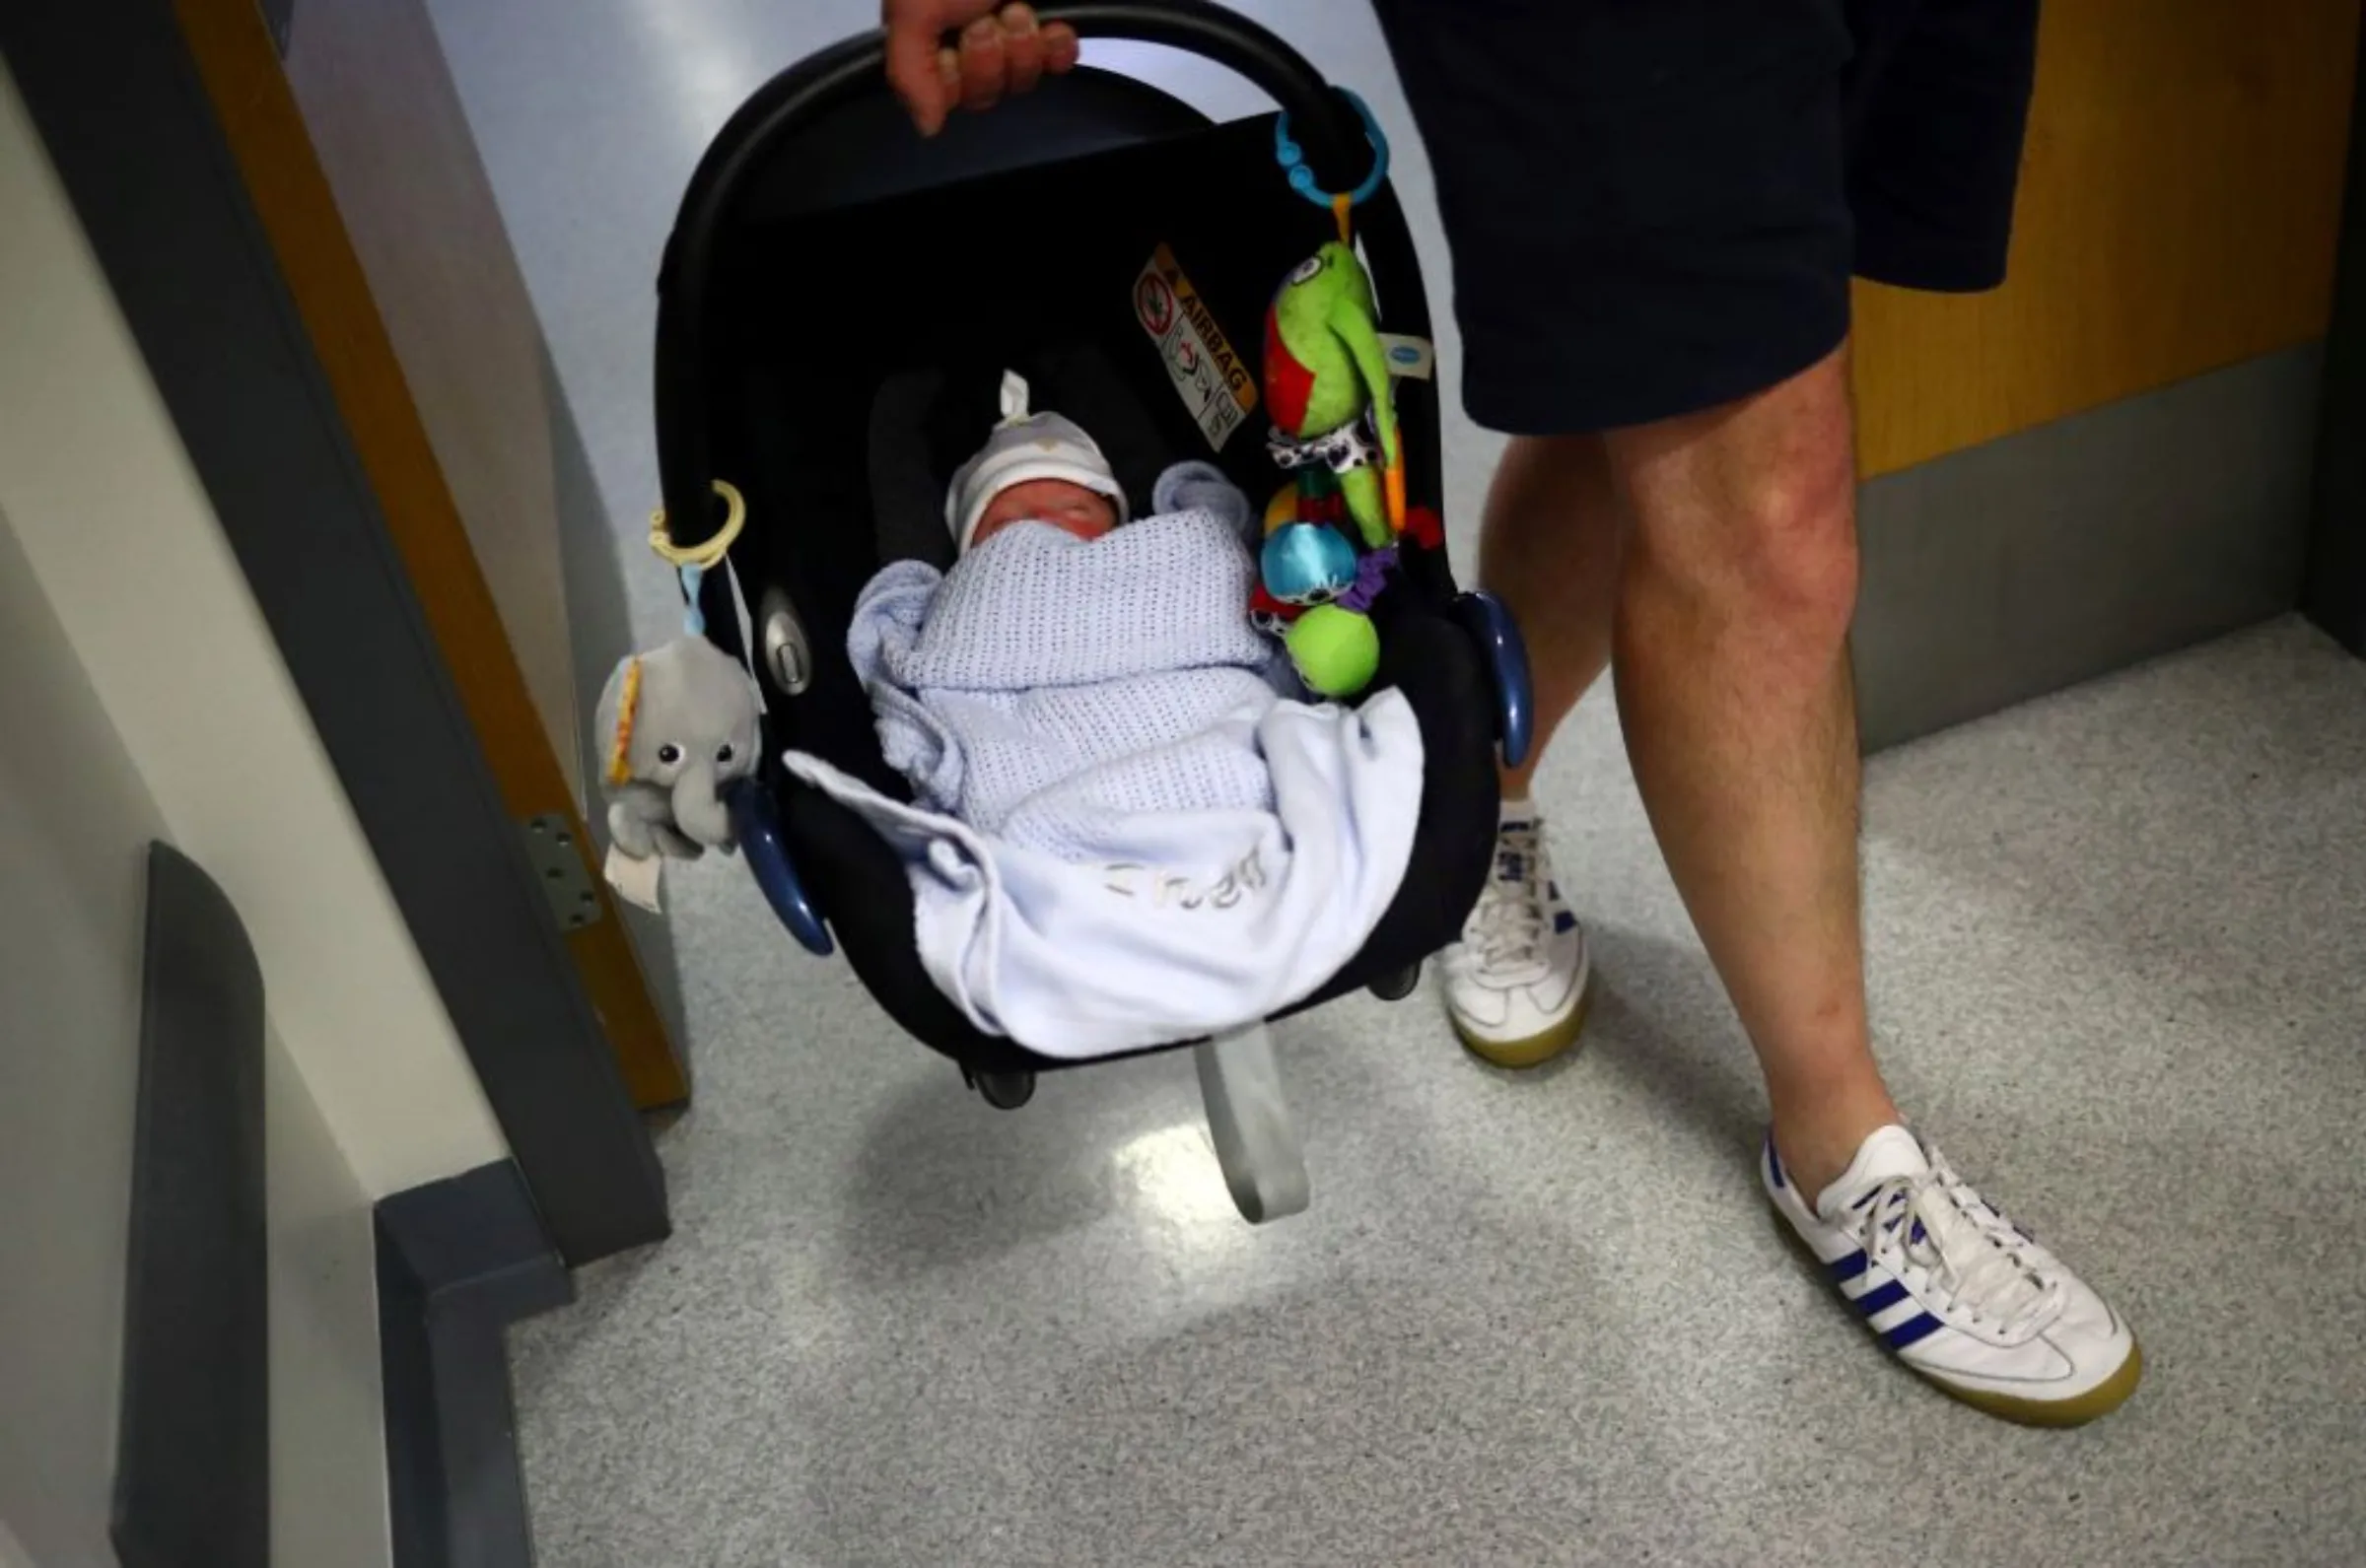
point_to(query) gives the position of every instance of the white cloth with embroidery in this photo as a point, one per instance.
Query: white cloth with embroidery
(1122, 834)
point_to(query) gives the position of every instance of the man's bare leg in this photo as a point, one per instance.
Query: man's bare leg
(1515, 983)
(1730, 652)
(1549, 547)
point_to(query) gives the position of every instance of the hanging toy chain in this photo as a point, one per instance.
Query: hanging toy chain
(1333, 536)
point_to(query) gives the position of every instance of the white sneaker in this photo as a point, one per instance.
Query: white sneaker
(1957, 1291)
(1516, 981)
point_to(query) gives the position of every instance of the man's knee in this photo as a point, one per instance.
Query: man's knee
(1792, 546)
(1754, 514)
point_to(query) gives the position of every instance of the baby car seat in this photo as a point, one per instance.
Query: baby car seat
(838, 300)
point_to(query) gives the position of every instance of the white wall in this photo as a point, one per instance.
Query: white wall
(122, 540)
(75, 823)
(328, 1435)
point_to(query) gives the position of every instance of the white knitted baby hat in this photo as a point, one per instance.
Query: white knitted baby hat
(1026, 447)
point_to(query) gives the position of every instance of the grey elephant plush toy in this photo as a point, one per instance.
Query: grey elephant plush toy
(676, 726)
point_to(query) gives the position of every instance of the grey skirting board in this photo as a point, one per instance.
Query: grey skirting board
(2058, 554)
(458, 1260)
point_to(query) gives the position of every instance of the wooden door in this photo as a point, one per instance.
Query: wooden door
(2181, 193)
(383, 227)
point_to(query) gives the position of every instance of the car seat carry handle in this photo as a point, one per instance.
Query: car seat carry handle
(1323, 121)
(1334, 129)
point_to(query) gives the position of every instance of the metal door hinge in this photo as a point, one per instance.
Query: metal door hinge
(559, 865)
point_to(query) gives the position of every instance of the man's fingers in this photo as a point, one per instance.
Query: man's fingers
(1003, 48)
(912, 64)
(1022, 47)
(1059, 47)
(983, 66)
(916, 52)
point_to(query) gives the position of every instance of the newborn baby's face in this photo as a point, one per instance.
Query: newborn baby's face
(1064, 504)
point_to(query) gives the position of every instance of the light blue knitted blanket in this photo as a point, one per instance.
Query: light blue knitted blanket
(1048, 682)
(1123, 836)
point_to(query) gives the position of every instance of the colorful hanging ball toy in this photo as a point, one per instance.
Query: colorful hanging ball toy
(1337, 650)
(1307, 563)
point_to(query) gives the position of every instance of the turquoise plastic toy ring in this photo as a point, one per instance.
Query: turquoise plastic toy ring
(1292, 158)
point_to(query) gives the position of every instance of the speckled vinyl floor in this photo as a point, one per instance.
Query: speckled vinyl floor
(2118, 967)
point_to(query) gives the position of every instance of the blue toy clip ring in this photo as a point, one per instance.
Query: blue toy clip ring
(1292, 158)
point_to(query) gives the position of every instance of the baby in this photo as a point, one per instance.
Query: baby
(1033, 468)
(1074, 663)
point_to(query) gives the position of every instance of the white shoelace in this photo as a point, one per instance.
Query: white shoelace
(1508, 928)
(1977, 1262)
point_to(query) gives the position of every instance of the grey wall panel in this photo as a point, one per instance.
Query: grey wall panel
(193, 1441)
(2014, 569)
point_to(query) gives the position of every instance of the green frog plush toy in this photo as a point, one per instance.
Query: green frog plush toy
(1324, 371)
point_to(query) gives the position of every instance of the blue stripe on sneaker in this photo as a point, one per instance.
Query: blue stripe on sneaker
(1843, 1270)
(1775, 1163)
(1564, 921)
(1881, 1298)
(1914, 1330)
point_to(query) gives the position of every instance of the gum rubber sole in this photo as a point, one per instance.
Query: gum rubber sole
(1536, 1050)
(2098, 1402)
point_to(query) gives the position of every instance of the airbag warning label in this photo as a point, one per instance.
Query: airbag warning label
(1216, 384)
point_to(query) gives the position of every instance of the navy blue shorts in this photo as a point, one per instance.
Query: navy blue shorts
(1654, 206)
